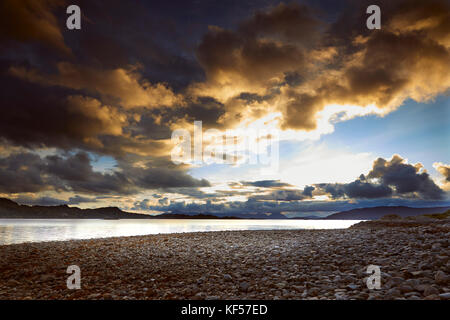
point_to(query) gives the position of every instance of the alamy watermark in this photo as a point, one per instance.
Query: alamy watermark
(74, 280)
(73, 22)
(374, 20)
(374, 280)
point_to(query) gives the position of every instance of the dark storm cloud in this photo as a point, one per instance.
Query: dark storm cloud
(32, 21)
(77, 174)
(281, 195)
(158, 177)
(78, 200)
(281, 209)
(33, 117)
(405, 178)
(282, 51)
(150, 127)
(28, 172)
(387, 178)
(41, 201)
(205, 109)
(273, 190)
(50, 201)
(265, 183)
(22, 173)
(267, 44)
(356, 189)
(307, 191)
(290, 22)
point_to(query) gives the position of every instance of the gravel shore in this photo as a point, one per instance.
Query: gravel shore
(301, 264)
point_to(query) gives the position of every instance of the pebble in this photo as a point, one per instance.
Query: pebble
(430, 290)
(278, 264)
(227, 277)
(440, 277)
(445, 296)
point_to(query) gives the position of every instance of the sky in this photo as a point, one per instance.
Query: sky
(303, 109)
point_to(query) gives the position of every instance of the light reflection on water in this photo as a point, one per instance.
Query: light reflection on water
(37, 230)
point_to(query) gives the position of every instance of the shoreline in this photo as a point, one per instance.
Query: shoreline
(158, 234)
(26, 231)
(263, 264)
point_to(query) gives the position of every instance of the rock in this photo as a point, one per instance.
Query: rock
(421, 287)
(412, 282)
(393, 293)
(298, 288)
(445, 296)
(243, 286)
(440, 277)
(200, 294)
(397, 280)
(304, 294)
(313, 291)
(46, 277)
(423, 266)
(227, 277)
(281, 285)
(436, 246)
(410, 294)
(340, 296)
(405, 288)
(430, 290)
(236, 265)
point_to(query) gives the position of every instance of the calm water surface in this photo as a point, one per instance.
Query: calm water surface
(37, 230)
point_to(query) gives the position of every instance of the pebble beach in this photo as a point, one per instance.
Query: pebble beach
(283, 264)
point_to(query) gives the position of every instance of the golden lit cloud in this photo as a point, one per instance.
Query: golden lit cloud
(126, 85)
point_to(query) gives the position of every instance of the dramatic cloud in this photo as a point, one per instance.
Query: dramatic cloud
(282, 209)
(122, 84)
(28, 172)
(285, 54)
(356, 189)
(405, 178)
(264, 46)
(58, 119)
(34, 21)
(22, 173)
(265, 183)
(388, 177)
(444, 170)
(282, 195)
(137, 71)
(50, 201)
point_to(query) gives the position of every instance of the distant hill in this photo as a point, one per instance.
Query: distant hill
(191, 216)
(378, 212)
(11, 210)
(233, 215)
